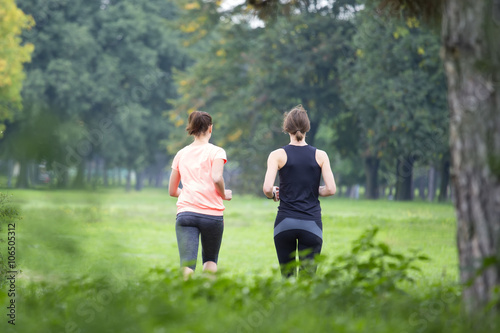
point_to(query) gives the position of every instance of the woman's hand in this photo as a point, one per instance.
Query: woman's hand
(228, 195)
(276, 193)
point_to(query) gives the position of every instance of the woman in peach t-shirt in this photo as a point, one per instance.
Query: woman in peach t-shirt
(199, 205)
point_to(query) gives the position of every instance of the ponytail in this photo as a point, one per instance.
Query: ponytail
(297, 122)
(198, 123)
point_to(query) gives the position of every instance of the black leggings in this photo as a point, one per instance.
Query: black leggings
(188, 228)
(291, 235)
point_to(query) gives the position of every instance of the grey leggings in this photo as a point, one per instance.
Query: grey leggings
(188, 228)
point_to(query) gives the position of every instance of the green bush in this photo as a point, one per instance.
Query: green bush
(372, 267)
(8, 214)
(358, 292)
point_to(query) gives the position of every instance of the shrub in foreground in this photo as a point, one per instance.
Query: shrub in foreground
(365, 290)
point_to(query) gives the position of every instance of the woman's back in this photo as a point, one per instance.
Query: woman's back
(299, 183)
(194, 163)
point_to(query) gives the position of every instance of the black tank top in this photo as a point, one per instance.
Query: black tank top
(299, 184)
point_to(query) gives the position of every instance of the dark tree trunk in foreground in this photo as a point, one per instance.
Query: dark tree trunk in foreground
(471, 44)
(371, 172)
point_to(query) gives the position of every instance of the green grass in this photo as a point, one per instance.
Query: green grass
(107, 261)
(71, 233)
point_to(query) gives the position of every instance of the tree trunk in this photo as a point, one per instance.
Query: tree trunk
(10, 172)
(89, 171)
(421, 187)
(128, 183)
(404, 178)
(79, 181)
(471, 51)
(431, 193)
(33, 173)
(445, 180)
(139, 180)
(105, 180)
(62, 178)
(159, 178)
(151, 175)
(371, 172)
(96, 173)
(22, 178)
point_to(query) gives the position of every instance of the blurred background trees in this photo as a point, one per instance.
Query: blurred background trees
(111, 83)
(13, 54)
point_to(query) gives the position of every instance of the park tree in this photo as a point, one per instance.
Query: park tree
(99, 80)
(219, 81)
(248, 76)
(140, 48)
(13, 54)
(471, 55)
(296, 61)
(400, 118)
(58, 87)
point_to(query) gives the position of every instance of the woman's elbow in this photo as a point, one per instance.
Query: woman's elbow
(268, 190)
(217, 179)
(331, 190)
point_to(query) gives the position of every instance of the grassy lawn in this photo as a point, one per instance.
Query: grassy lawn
(107, 261)
(74, 233)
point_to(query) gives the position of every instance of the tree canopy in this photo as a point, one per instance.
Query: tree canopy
(13, 54)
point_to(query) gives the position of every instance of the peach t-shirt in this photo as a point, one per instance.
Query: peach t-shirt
(194, 163)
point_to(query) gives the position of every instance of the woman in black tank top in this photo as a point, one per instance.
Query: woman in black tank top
(298, 223)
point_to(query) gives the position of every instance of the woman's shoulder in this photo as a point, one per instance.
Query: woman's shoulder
(321, 156)
(279, 151)
(183, 150)
(212, 147)
(320, 152)
(278, 154)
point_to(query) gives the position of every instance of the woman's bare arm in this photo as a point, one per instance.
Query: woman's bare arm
(173, 184)
(274, 162)
(218, 179)
(326, 171)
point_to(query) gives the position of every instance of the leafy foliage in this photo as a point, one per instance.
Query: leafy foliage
(13, 54)
(96, 63)
(162, 301)
(373, 267)
(9, 213)
(248, 76)
(395, 91)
